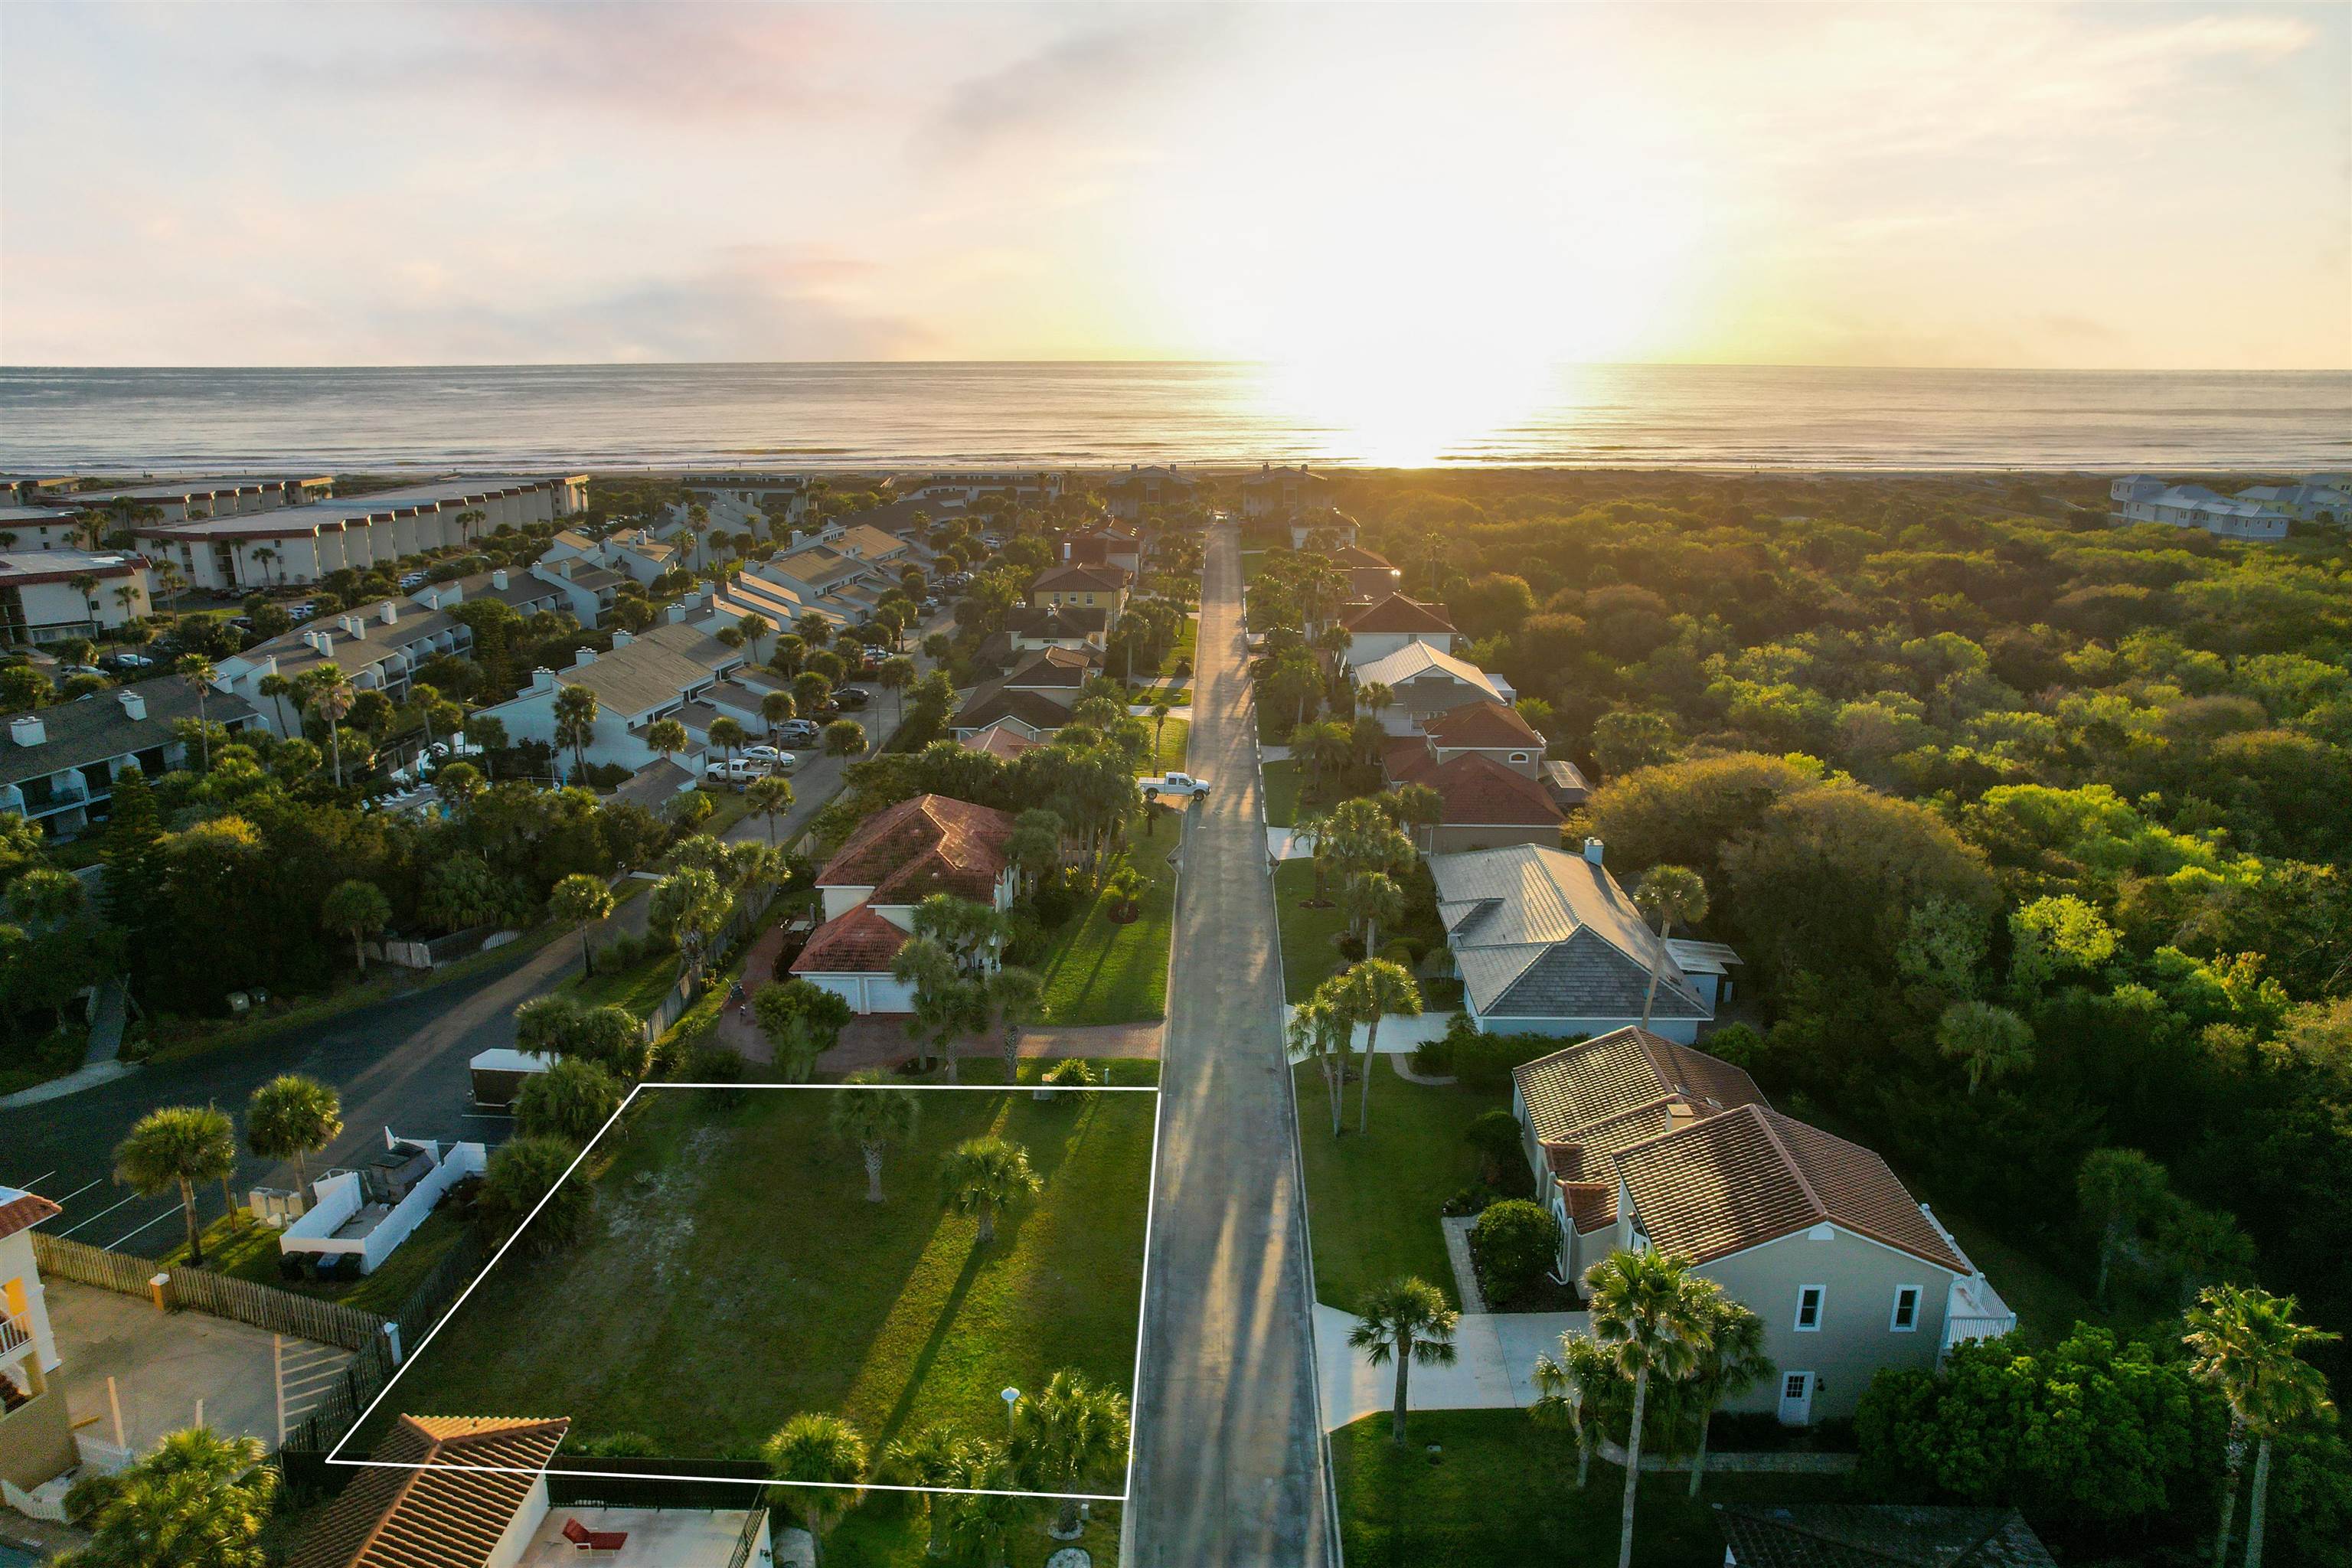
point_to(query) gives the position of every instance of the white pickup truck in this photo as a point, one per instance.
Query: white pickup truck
(1175, 783)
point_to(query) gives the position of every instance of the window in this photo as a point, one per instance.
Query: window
(1906, 1310)
(1809, 1308)
(1518, 756)
(1795, 1388)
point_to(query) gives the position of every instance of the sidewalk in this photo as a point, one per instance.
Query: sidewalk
(1493, 1370)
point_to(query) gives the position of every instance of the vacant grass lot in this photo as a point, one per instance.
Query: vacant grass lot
(1100, 972)
(1308, 954)
(735, 1277)
(248, 1249)
(638, 986)
(1174, 737)
(1373, 1200)
(888, 1529)
(1502, 1492)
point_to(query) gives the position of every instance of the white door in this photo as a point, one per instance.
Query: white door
(1796, 1398)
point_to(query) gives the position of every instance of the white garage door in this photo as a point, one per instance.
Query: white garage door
(884, 994)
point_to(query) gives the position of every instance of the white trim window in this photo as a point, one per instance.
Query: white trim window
(1904, 1317)
(1810, 1300)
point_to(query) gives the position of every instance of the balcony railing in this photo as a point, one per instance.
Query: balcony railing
(15, 1335)
(755, 1526)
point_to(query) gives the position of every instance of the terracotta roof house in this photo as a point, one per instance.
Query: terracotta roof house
(1876, 1535)
(1128, 495)
(897, 858)
(1028, 628)
(476, 1492)
(1371, 576)
(1002, 740)
(1028, 710)
(1114, 547)
(36, 1442)
(1636, 1141)
(1486, 804)
(1297, 493)
(1087, 587)
(1548, 944)
(1492, 731)
(1054, 670)
(1381, 627)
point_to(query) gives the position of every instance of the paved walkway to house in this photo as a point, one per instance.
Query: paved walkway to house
(1495, 1358)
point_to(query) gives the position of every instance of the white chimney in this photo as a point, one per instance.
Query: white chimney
(622, 640)
(582, 656)
(498, 578)
(1593, 850)
(28, 731)
(542, 679)
(133, 705)
(389, 614)
(320, 642)
(353, 625)
(675, 612)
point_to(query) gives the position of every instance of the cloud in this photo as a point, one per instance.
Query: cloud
(1040, 97)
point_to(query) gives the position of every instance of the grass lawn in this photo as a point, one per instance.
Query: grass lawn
(728, 808)
(734, 1277)
(639, 987)
(248, 1250)
(1185, 647)
(1282, 783)
(1502, 1492)
(1099, 972)
(1173, 739)
(1308, 957)
(1373, 1200)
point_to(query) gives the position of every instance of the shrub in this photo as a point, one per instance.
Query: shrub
(573, 1100)
(1433, 1058)
(1735, 1043)
(1496, 1137)
(616, 1446)
(523, 1171)
(1469, 1200)
(1484, 1062)
(1351, 946)
(711, 1062)
(1399, 951)
(1054, 901)
(1517, 1245)
(621, 953)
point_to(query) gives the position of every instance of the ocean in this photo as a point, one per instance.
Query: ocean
(122, 421)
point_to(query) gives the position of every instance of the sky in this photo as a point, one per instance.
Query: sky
(2024, 185)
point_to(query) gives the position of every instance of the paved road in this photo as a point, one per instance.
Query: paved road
(400, 1064)
(1229, 1460)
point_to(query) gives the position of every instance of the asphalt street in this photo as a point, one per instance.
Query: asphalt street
(1229, 1456)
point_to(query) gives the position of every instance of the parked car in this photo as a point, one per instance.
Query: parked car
(65, 670)
(1175, 784)
(119, 661)
(852, 697)
(804, 730)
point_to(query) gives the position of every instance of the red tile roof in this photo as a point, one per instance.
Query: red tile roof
(442, 1495)
(1479, 791)
(994, 703)
(931, 844)
(1483, 723)
(1353, 558)
(857, 942)
(999, 740)
(1398, 614)
(1079, 579)
(1052, 666)
(22, 1211)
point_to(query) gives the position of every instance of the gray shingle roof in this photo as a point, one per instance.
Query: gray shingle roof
(95, 729)
(1542, 934)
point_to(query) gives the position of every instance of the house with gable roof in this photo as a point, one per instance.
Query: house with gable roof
(1641, 1142)
(897, 858)
(1426, 680)
(36, 1442)
(1380, 627)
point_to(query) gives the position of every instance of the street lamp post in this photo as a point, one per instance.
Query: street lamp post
(1011, 1397)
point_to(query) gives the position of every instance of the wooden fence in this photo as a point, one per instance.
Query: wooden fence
(219, 1295)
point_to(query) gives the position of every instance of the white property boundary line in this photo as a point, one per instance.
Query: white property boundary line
(408, 1359)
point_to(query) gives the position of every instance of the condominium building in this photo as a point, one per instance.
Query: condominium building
(50, 594)
(58, 764)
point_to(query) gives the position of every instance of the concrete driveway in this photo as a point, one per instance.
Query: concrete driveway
(1228, 1451)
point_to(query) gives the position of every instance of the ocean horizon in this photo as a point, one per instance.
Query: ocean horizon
(882, 415)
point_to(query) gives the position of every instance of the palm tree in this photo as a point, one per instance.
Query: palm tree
(1018, 997)
(1568, 1390)
(925, 963)
(1408, 1320)
(2124, 1190)
(897, 674)
(1318, 1032)
(85, 585)
(178, 1146)
(668, 737)
(1731, 1362)
(845, 737)
(579, 900)
(873, 1113)
(983, 1175)
(825, 1458)
(2245, 1344)
(277, 688)
(1372, 901)
(1067, 1436)
(727, 734)
(770, 798)
(1366, 993)
(775, 708)
(751, 629)
(1990, 1040)
(292, 1118)
(938, 1456)
(199, 1500)
(358, 910)
(1648, 1310)
(1375, 699)
(332, 697)
(1668, 895)
(266, 554)
(575, 723)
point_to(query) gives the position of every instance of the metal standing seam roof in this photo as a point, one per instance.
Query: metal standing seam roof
(1396, 613)
(1727, 1183)
(1419, 658)
(1540, 933)
(1877, 1535)
(457, 1484)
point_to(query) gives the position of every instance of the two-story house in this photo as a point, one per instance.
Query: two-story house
(36, 1442)
(1140, 489)
(1391, 622)
(897, 858)
(1100, 588)
(1035, 699)
(1488, 765)
(1423, 681)
(1291, 492)
(377, 646)
(1637, 1141)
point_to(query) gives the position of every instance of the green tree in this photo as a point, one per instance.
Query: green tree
(1320, 1031)
(945, 1003)
(1650, 1312)
(768, 799)
(197, 670)
(1068, 1438)
(1625, 740)
(1366, 993)
(728, 736)
(1405, 1320)
(356, 910)
(668, 737)
(330, 696)
(575, 723)
(1571, 1390)
(896, 675)
(199, 1500)
(2122, 1192)
(182, 1147)
(571, 1100)
(845, 737)
(525, 1181)
(983, 1175)
(1517, 1244)
(1988, 1040)
(1731, 1360)
(1370, 901)
(802, 1020)
(1670, 895)
(2246, 1345)
(875, 1115)
(292, 1118)
(688, 906)
(824, 1457)
(1017, 996)
(579, 901)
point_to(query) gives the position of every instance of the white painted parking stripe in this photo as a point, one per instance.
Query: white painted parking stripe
(99, 1214)
(172, 1213)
